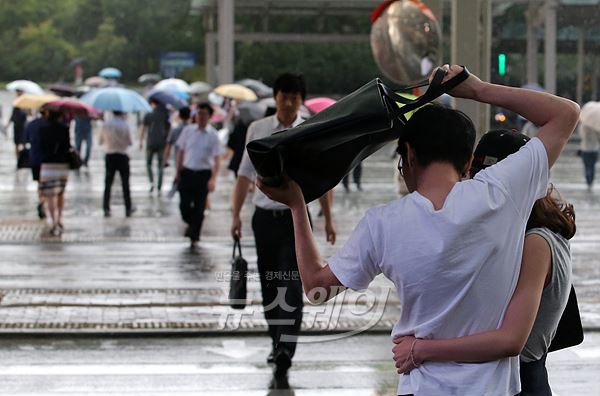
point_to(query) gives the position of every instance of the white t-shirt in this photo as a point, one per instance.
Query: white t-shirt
(200, 147)
(455, 269)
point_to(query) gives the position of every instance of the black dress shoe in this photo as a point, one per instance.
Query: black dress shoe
(271, 357)
(279, 382)
(283, 361)
(41, 211)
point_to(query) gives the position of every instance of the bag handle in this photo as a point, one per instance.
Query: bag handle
(436, 89)
(236, 244)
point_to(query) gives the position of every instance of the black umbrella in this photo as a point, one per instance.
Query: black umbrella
(167, 98)
(62, 89)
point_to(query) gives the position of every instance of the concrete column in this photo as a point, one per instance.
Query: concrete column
(471, 46)
(226, 40)
(210, 57)
(580, 68)
(532, 44)
(595, 78)
(550, 46)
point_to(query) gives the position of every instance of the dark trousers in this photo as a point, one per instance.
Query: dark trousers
(589, 163)
(193, 190)
(534, 378)
(117, 163)
(150, 153)
(280, 282)
(356, 175)
(80, 138)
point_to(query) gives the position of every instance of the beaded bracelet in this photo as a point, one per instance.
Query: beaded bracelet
(412, 356)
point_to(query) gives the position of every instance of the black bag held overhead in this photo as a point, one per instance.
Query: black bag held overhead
(239, 274)
(318, 153)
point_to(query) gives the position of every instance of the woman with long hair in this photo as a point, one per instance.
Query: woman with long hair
(54, 171)
(539, 299)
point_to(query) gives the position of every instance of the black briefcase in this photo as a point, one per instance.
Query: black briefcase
(570, 331)
(318, 153)
(23, 159)
(239, 275)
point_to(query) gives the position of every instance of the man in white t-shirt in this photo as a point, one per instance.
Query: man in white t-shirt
(451, 247)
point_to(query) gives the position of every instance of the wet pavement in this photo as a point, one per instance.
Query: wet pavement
(224, 365)
(135, 276)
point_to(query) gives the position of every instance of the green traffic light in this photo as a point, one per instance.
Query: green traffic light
(501, 64)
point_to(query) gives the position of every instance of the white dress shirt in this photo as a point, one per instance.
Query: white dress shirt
(200, 147)
(115, 135)
(257, 130)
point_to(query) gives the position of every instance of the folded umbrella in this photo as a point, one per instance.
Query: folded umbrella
(25, 86)
(236, 91)
(33, 102)
(167, 98)
(117, 99)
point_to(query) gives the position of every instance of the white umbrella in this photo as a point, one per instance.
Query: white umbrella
(173, 85)
(200, 87)
(590, 115)
(26, 86)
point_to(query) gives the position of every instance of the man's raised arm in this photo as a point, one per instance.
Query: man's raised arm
(556, 116)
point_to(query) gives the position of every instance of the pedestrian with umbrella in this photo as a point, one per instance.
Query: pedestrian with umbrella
(116, 138)
(54, 171)
(18, 118)
(589, 130)
(33, 137)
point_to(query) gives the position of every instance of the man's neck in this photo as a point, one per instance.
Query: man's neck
(436, 181)
(286, 121)
(203, 127)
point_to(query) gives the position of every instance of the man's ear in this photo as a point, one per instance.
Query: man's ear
(411, 156)
(467, 169)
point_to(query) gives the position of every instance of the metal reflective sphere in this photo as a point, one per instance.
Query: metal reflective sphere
(405, 41)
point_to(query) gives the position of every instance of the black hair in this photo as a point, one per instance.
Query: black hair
(184, 113)
(118, 113)
(290, 83)
(439, 134)
(54, 116)
(156, 102)
(207, 106)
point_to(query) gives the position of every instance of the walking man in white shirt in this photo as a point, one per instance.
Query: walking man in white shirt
(197, 167)
(274, 233)
(116, 136)
(452, 248)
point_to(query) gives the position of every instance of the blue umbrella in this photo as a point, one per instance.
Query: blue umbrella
(110, 72)
(116, 99)
(167, 98)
